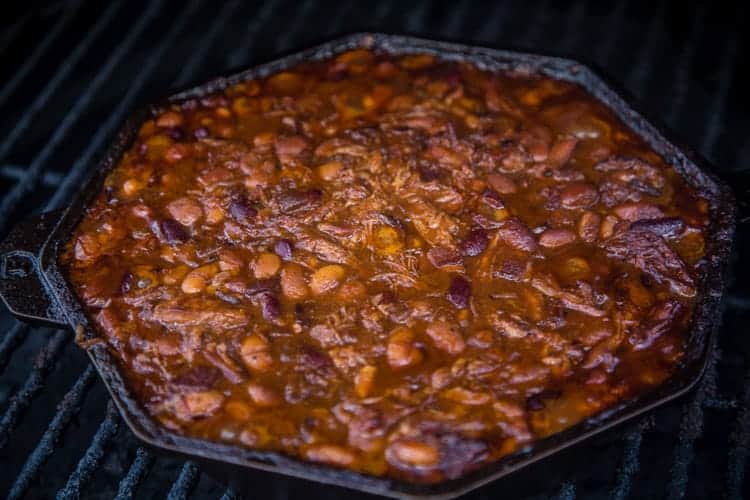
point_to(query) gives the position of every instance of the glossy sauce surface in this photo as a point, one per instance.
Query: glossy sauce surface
(392, 264)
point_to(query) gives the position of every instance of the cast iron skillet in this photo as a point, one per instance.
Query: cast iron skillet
(35, 288)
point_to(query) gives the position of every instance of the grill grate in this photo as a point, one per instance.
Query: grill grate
(676, 451)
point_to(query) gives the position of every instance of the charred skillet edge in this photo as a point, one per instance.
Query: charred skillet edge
(703, 328)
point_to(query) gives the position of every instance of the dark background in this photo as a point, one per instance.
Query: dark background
(71, 71)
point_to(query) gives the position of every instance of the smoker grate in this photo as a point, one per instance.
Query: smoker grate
(65, 98)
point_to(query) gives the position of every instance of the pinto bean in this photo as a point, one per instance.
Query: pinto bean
(266, 265)
(262, 396)
(401, 350)
(330, 454)
(329, 171)
(169, 119)
(554, 238)
(588, 226)
(326, 279)
(445, 337)
(364, 381)
(256, 354)
(185, 210)
(561, 151)
(293, 284)
(413, 452)
(202, 403)
(197, 279)
(289, 147)
(467, 397)
(638, 211)
(502, 183)
(295, 200)
(578, 195)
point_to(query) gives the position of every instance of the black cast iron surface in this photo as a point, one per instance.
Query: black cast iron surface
(70, 72)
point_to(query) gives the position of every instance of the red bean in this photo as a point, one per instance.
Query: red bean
(443, 257)
(241, 209)
(173, 232)
(459, 292)
(475, 242)
(283, 249)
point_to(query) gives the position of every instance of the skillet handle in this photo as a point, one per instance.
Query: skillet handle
(23, 288)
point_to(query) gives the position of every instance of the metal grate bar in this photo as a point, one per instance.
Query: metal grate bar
(189, 69)
(31, 62)
(68, 408)
(27, 183)
(10, 341)
(575, 20)
(229, 494)
(284, 43)
(630, 461)
(415, 19)
(60, 75)
(727, 65)
(12, 31)
(185, 482)
(644, 61)
(686, 58)
(737, 465)
(238, 56)
(456, 19)
(567, 491)
(43, 363)
(90, 461)
(603, 49)
(537, 28)
(136, 473)
(72, 180)
(496, 22)
(16, 173)
(691, 427)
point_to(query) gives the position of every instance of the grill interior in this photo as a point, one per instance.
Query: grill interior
(71, 72)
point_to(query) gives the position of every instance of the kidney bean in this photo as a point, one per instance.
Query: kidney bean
(185, 210)
(198, 377)
(445, 337)
(200, 133)
(492, 198)
(475, 243)
(554, 238)
(294, 200)
(459, 292)
(443, 257)
(270, 306)
(313, 359)
(283, 249)
(578, 195)
(241, 209)
(516, 234)
(172, 232)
